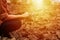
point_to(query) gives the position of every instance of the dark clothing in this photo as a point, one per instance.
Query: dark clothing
(3, 10)
(11, 25)
(3, 6)
(8, 25)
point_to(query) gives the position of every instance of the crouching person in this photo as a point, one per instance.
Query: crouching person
(9, 23)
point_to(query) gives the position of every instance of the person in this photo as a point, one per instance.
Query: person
(8, 23)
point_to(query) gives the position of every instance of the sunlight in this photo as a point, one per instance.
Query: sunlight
(41, 9)
(56, 0)
(38, 4)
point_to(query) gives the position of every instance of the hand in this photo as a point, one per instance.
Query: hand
(26, 14)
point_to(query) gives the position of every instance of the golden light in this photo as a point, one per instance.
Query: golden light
(56, 0)
(38, 4)
(41, 10)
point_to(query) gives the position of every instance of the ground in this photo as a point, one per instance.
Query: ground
(44, 28)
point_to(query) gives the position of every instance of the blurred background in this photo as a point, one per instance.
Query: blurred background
(43, 22)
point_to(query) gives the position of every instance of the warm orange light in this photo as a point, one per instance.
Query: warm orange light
(38, 4)
(41, 10)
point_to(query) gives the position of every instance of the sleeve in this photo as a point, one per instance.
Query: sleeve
(3, 9)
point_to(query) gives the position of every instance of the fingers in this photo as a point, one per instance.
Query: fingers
(26, 14)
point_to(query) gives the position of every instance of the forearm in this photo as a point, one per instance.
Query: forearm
(14, 17)
(18, 16)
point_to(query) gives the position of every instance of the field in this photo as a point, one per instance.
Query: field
(42, 24)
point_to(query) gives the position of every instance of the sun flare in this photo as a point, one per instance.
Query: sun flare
(38, 4)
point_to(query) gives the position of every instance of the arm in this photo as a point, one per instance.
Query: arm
(17, 16)
(14, 16)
